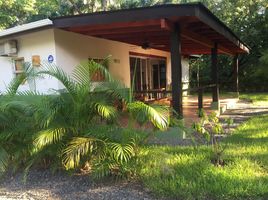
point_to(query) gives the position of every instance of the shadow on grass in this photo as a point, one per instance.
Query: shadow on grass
(182, 176)
(187, 173)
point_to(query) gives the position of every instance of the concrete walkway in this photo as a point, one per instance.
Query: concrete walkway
(242, 111)
(190, 107)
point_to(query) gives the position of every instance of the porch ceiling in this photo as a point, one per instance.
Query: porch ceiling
(200, 29)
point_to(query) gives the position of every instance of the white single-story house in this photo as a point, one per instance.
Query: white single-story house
(67, 49)
(160, 39)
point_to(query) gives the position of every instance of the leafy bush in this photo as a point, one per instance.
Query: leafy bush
(17, 127)
(208, 128)
(78, 127)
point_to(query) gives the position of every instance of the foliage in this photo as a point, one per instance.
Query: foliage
(229, 122)
(16, 130)
(260, 75)
(76, 126)
(14, 12)
(260, 99)
(187, 173)
(209, 127)
(249, 20)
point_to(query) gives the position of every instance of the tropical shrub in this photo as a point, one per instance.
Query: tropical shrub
(209, 127)
(16, 130)
(78, 127)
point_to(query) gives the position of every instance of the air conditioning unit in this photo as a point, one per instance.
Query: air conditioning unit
(8, 48)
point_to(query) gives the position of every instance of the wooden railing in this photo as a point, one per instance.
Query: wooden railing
(162, 93)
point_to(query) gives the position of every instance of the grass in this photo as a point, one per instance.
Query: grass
(173, 133)
(256, 98)
(187, 173)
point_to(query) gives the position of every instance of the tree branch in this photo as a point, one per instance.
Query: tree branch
(75, 6)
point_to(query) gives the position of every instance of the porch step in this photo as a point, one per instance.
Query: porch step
(228, 104)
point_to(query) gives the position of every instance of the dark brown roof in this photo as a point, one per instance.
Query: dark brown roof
(200, 29)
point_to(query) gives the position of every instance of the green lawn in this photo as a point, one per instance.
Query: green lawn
(256, 98)
(187, 173)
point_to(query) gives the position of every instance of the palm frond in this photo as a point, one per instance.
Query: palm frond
(49, 136)
(27, 93)
(78, 147)
(13, 86)
(105, 111)
(3, 119)
(6, 135)
(4, 157)
(115, 89)
(158, 115)
(85, 71)
(27, 74)
(60, 75)
(102, 169)
(81, 73)
(15, 105)
(25, 103)
(122, 152)
(48, 110)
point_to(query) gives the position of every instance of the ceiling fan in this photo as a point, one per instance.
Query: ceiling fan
(149, 45)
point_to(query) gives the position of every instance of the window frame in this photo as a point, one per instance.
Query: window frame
(98, 77)
(16, 71)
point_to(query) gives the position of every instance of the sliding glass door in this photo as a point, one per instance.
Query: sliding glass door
(159, 74)
(148, 74)
(140, 65)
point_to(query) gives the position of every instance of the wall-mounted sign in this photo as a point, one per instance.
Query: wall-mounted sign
(50, 59)
(117, 61)
(36, 60)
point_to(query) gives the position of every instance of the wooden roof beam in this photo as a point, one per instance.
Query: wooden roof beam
(134, 24)
(127, 30)
(203, 41)
(167, 25)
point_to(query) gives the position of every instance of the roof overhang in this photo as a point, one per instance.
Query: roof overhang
(200, 29)
(26, 28)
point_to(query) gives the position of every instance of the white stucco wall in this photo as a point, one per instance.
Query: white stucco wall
(37, 43)
(6, 73)
(72, 48)
(69, 49)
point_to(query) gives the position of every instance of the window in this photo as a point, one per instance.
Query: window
(98, 76)
(36, 61)
(19, 66)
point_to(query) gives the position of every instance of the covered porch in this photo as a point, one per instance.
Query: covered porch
(181, 30)
(190, 105)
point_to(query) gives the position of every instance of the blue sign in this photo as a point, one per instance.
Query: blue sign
(50, 59)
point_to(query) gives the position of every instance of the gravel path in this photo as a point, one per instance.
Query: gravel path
(43, 185)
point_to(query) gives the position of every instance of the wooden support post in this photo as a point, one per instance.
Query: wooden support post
(200, 102)
(236, 81)
(215, 76)
(176, 69)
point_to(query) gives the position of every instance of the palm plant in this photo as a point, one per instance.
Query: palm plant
(16, 129)
(78, 125)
